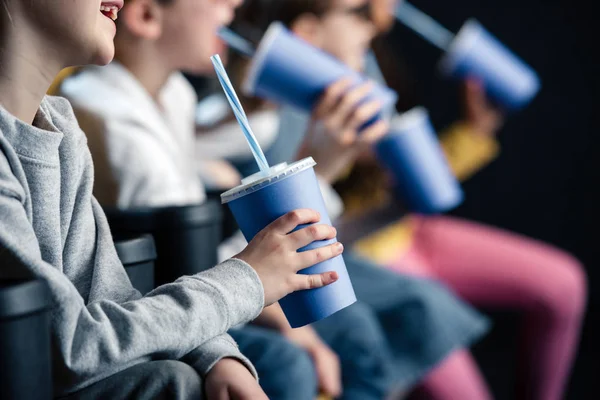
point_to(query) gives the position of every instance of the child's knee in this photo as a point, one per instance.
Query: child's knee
(566, 300)
(364, 330)
(292, 374)
(361, 344)
(301, 370)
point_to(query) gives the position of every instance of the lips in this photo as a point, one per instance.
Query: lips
(110, 9)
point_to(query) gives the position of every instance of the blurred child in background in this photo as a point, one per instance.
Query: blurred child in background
(484, 265)
(340, 27)
(489, 267)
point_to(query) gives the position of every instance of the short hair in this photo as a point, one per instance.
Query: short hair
(259, 14)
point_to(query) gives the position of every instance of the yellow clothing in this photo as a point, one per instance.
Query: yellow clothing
(62, 75)
(467, 152)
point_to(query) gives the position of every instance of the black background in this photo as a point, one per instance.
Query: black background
(545, 183)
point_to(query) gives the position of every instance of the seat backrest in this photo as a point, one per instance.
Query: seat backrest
(25, 358)
(186, 237)
(138, 255)
(229, 226)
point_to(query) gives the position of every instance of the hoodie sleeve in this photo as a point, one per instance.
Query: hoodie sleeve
(94, 340)
(205, 357)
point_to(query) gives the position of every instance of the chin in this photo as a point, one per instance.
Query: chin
(202, 67)
(104, 55)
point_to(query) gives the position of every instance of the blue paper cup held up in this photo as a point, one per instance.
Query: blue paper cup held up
(261, 200)
(474, 52)
(287, 70)
(412, 153)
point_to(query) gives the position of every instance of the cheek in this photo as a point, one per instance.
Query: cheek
(345, 47)
(198, 24)
(204, 33)
(201, 41)
(83, 21)
(335, 41)
(206, 47)
(191, 38)
(88, 38)
(195, 46)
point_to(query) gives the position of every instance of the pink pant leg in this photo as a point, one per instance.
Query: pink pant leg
(457, 377)
(493, 268)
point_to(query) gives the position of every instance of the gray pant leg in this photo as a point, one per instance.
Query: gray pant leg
(164, 380)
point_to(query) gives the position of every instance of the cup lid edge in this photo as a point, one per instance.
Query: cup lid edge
(243, 190)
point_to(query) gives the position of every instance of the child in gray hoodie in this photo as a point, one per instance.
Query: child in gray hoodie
(108, 341)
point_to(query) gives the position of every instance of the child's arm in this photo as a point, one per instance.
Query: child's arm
(335, 139)
(471, 144)
(218, 174)
(94, 339)
(224, 141)
(205, 357)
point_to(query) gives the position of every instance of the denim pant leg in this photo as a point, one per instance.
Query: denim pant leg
(356, 336)
(423, 322)
(285, 371)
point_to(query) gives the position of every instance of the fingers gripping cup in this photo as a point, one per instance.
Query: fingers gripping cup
(262, 199)
(474, 52)
(288, 70)
(412, 153)
(272, 193)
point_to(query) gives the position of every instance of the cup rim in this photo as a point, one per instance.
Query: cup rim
(272, 33)
(464, 40)
(251, 187)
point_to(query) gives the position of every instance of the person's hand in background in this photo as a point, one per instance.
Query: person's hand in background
(218, 174)
(327, 363)
(334, 139)
(480, 114)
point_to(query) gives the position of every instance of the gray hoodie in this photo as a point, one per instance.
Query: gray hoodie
(52, 227)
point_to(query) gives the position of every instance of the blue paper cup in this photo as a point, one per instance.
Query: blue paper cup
(474, 52)
(260, 202)
(412, 153)
(288, 70)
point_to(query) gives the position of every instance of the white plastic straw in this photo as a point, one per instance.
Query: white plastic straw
(236, 42)
(424, 25)
(239, 113)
